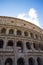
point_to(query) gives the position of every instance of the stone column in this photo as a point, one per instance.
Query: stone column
(29, 35)
(24, 52)
(3, 60)
(36, 61)
(24, 46)
(15, 52)
(15, 32)
(32, 46)
(22, 33)
(7, 31)
(5, 43)
(26, 60)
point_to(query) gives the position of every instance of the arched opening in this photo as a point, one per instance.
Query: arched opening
(10, 43)
(26, 33)
(1, 43)
(19, 32)
(3, 31)
(36, 36)
(20, 61)
(41, 46)
(31, 61)
(20, 46)
(36, 46)
(39, 61)
(9, 61)
(11, 31)
(40, 37)
(28, 45)
(31, 34)
(0, 61)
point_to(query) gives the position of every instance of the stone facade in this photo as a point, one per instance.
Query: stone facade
(21, 42)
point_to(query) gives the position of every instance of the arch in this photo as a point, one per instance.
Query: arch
(8, 61)
(39, 61)
(20, 61)
(19, 32)
(36, 46)
(11, 31)
(10, 43)
(20, 46)
(0, 62)
(36, 36)
(40, 37)
(26, 33)
(28, 45)
(31, 34)
(41, 46)
(1, 43)
(31, 61)
(3, 31)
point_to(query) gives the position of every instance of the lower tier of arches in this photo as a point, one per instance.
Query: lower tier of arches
(21, 60)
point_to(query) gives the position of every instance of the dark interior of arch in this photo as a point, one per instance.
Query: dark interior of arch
(20, 61)
(10, 43)
(31, 61)
(41, 46)
(3, 30)
(26, 33)
(1, 43)
(39, 61)
(28, 45)
(9, 61)
(11, 31)
(36, 36)
(19, 32)
(36, 46)
(31, 35)
(19, 44)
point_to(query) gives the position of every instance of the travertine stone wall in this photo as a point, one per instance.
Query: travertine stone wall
(11, 52)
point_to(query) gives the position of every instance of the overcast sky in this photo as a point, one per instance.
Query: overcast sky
(30, 10)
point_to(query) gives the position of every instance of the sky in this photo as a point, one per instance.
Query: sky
(29, 10)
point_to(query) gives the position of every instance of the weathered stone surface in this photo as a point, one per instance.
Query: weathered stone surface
(17, 47)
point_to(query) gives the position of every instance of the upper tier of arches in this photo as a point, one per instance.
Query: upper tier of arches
(19, 22)
(20, 32)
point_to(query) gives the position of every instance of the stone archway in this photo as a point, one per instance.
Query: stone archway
(28, 45)
(39, 61)
(10, 43)
(19, 32)
(20, 46)
(1, 43)
(31, 61)
(8, 61)
(11, 31)
(20, 61)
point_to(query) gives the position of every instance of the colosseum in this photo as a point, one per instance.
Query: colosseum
(21, 42)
